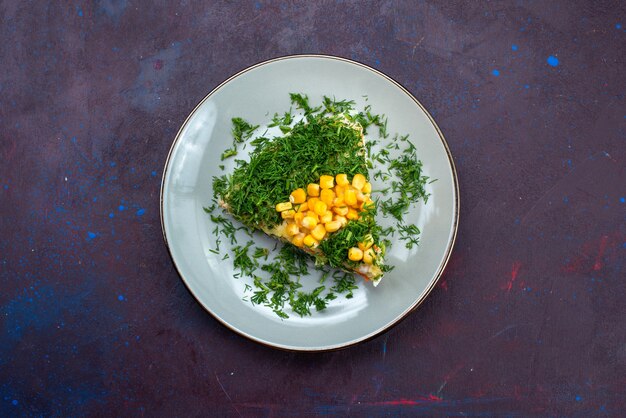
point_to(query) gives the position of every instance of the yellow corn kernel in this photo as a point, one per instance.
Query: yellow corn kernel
(319, 232)
(350, 197)
(338, 201)
(312, 214)
(309, 222)
(368, 256)
(298, 217)
(341, 219)
(327, 196)
(355, 254)
(320, 207)
(309, 241)
(298, 240)
(358, 181)
(327, 182)
(332, 226)
(288, 214)
(313, 189)
(312, 201)
(292, 229)
(303, 207)
(367, 187)
(283, 206)
(367, 242)
(360, 197)
(327, 217)
(297, 196)
(339, 190)
(341, 210)
(342, 179)
(352, 214)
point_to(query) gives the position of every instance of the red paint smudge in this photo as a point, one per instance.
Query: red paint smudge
(158, 64)
(603, 242)
(444, 285)
(592, 254)
(514, 270)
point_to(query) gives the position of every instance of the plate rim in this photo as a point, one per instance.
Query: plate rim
(407, 311)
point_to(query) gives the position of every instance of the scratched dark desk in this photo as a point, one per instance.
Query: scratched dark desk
(528, 319)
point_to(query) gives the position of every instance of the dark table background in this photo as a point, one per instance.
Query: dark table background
(528, 319)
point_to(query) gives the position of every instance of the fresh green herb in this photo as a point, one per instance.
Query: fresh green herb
(242, 131)
(410, 234)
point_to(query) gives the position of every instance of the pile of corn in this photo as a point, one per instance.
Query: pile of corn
(325, 207)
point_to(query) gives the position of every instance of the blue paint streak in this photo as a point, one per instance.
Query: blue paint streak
(120, 297)
(91, 235)
(154, 173)
(495, 72)
(140, 212)
(553, 61)
(578, 398)
(257, 5)
(14, 402)
(618, 26)
(79, 11)
(514, 47)
(622, 199)
(112, 164)
(6, 187)
(121, 208)
(526, 86)
(111, 215)
(565, 199)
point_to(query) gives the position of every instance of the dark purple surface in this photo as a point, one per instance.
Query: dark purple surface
(528, 319)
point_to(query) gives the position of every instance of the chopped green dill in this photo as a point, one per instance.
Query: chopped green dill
(410, 234)
(242, 260)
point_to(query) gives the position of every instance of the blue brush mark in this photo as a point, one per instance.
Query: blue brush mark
(112, 163)
(74, 139)
(153, 174)
(14, 402)
(121, 208)
(120, 298)
(91, 235)
(79, 11)
(495, 72)
(258, 5)
(553, 61)
(114, 9)
(514, 47)
(565, 199)
(140, 212)
(618, 26)
(526, 86)
(111, 215)
(579, 398)
(622, 199)
(6, 187)
(377, 62)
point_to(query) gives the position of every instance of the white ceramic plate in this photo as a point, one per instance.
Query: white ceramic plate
(255, 94)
